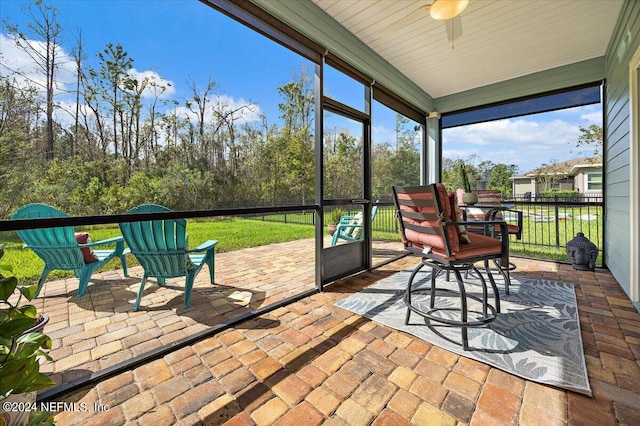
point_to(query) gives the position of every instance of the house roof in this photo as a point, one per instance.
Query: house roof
(566, 168)
(501, 39)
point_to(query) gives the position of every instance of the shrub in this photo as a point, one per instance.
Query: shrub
(562, 196)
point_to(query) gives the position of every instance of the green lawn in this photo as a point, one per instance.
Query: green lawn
(232, 234)
(542, 239)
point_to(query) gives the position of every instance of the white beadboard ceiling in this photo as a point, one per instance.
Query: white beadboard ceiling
(501, 39)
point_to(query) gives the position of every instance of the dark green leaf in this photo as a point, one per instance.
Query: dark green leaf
(29, 292)
(7, 286)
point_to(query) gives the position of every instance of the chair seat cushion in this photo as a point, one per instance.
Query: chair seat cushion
(479, 246)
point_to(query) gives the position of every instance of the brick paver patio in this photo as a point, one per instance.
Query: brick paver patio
(312, 363)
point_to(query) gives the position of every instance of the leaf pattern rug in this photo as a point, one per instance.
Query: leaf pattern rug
(536, 336)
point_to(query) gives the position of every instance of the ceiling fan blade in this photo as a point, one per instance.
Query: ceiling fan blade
(453, 27)
(407, 20)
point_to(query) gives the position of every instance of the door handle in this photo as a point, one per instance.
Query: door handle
(360, 201)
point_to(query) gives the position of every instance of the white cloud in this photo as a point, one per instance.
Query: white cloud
(594, 117)
(526, 142)
(382, 134)
(155, 84)
(589, 114)
(241, 110)
(16, 62)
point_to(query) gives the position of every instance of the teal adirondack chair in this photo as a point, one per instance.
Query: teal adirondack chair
(59, 249)
(350, 228)
(161, 247)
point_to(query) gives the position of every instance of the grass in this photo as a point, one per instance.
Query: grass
(232, 234)
(548, 239)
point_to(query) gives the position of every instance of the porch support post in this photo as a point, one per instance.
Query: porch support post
(432, 151)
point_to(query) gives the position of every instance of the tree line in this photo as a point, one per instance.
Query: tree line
(126, 141)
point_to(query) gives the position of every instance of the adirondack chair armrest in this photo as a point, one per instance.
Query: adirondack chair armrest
(346, 220)
(104, 242)
(353, 226)
(118, 241)
(204, 246)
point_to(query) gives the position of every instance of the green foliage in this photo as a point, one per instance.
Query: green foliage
(405, 164)
(464, 174)
(19, 352)
(335, 215)
(591, 137)
(382, 178)
(460, 174)
(500, 178)
(396, 164)
(562, 196)
(343, 165)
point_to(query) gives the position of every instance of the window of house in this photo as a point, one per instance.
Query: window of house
(594, 182)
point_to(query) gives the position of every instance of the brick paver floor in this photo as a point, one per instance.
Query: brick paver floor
(312, 363)
(101, 330)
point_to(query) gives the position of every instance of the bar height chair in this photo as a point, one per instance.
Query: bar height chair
(428, 231)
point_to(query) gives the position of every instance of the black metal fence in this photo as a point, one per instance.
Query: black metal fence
(548, 223)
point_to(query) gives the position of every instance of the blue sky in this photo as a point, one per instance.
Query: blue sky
(175, 39)
(179, 40)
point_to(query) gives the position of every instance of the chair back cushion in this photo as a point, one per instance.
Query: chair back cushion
(486, 197)
(422, 211)
(87, 252)
(355, 232)
(489, 197)
(461, 231)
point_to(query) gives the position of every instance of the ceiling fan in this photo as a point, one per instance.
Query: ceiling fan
(441, 10)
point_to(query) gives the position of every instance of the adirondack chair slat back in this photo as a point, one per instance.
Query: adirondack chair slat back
(56, 246)
(159, 245)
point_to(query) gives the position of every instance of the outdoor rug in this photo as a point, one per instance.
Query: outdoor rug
(536, 336)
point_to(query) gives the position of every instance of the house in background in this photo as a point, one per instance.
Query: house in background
(583, 175)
